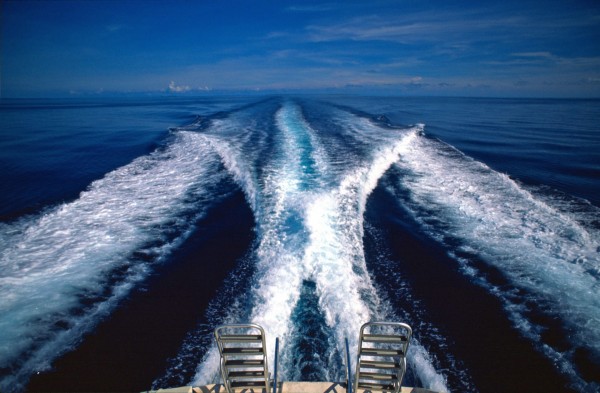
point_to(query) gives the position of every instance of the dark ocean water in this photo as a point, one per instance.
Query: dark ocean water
(129, 228)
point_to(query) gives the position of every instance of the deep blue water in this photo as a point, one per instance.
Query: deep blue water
(129, 228)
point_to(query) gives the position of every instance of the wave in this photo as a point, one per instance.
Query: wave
(307, 170)
(547, 253)
(65, 269)
(309, 223)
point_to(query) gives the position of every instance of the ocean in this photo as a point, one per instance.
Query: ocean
(131, 227)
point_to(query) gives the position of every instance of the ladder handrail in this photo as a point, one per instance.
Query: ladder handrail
(220, 344)
(403, 340)
(275, 366)
(348, 368)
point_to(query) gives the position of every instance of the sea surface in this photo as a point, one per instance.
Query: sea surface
(131, 227)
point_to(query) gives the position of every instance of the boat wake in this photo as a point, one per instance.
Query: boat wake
(310, 287)
(307, 171)
(544, 245)
(64, 270)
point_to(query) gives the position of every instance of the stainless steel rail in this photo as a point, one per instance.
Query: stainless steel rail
(381, 358)
(243, 357)
(275, 366)
(348, 369)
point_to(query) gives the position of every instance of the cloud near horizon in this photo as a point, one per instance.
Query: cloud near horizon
(173, 88)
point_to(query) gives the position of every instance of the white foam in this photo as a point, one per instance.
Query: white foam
(335, 220)
(300, 140)
(238, 168)
(327, 244)
(422, 364)
(49, 262)
(537, 247)
(276, 203)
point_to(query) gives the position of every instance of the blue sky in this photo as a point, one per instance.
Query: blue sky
(459, 48)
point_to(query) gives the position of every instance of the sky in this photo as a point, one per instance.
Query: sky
(495, 48)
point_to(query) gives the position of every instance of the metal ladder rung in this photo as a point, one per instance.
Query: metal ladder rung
(248, 384)
(240, 338)
(244, 363)
(383, 338)
(246, 374)
(376, 386)
(381, 352)
(378, 376)
(377, 364)
(242, 351)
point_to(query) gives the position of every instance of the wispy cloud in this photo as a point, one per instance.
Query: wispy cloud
(543, 55)
(313, 7)
(413, 28)
(114, 28)
(302, 45)
(566, 64)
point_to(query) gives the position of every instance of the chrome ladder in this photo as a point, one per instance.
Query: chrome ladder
(243, 357)
(381, 358)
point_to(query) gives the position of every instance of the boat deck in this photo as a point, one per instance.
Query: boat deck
(284, 387)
